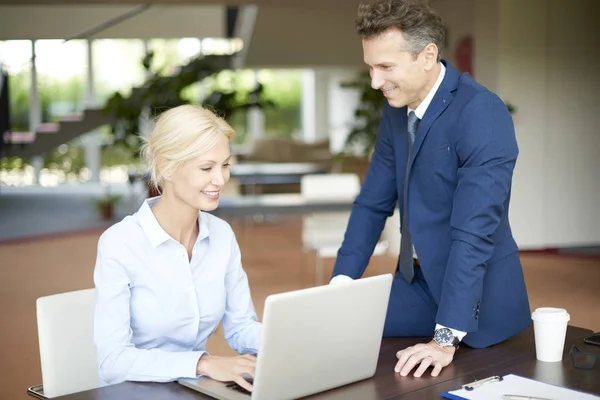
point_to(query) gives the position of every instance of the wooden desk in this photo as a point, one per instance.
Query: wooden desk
(296, 170)
(262, 173)
(257, 174)
(277, 204)
(516, 356)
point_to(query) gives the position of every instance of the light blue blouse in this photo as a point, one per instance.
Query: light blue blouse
(155, 309)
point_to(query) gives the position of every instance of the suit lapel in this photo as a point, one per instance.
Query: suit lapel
(435, 109)
(441, 100)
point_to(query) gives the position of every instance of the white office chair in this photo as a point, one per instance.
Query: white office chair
(67, 351)
(323, 232)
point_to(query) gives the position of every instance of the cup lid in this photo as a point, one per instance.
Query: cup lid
(550, 314)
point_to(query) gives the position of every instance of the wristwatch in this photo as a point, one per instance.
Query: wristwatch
(444, 338)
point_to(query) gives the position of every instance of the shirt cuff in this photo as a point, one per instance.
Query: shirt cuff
(459, 334)
(186, 365)
(340, 279)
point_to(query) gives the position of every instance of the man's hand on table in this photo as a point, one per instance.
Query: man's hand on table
(424, 355)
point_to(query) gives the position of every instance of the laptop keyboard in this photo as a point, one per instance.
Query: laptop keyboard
(238, 388)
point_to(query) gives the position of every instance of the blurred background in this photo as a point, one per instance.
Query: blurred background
(81, 79)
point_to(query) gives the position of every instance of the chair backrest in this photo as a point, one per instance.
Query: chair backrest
(66, 337)
(330, 186)
(327, 228)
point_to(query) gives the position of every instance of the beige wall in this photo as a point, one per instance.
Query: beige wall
(458, 18)
(305, 37)
(486, 31)
(309, 37)
(541, 55)
(572, 181)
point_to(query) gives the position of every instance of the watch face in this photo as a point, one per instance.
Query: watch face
(444, 336)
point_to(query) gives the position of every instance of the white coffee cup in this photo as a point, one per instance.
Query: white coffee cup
(550, 330)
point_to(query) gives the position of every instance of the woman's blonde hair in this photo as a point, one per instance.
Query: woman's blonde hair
(179, 135)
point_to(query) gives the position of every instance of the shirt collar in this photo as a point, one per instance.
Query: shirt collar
(420, 111)
(203, 231)
(155, 233)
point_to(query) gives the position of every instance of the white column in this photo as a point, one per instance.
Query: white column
(35, 113)
(35, 110)
(92, 141)
(255, 118)
(342, 105)
(308, 109)
(244, 29)
(315, 105)
(90, 94)
(145, 120)
(37, 162)
(322, 104)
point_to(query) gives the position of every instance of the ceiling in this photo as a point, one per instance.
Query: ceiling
(67, 21)
(306, 4)
(294, 34)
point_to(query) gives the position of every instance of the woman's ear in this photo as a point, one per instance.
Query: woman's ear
(162, 173)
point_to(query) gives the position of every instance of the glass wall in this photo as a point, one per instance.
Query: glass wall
(61, 76)
(15, 56)
(62, 84)
(117, 66)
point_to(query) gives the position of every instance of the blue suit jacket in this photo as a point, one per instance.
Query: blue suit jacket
(458, 196)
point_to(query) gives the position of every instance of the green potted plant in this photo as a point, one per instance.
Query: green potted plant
(367, 116)
(360, 142)
(106, 206)
(161, 92)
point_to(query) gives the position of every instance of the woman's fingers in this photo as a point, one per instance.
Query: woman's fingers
(242, 382)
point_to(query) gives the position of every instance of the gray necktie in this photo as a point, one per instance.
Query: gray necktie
(406, 254)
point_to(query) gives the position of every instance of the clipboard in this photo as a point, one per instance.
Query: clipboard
(495, 387)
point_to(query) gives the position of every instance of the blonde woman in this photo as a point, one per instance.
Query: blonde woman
(167, 275)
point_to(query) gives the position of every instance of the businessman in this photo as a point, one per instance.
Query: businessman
(445, 153)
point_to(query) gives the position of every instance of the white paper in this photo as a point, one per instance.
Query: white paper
(517, 385)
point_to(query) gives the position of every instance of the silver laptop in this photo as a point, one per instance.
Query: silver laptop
(313, 340)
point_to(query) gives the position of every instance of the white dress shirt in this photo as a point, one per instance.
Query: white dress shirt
(420, 112)
(155, 309)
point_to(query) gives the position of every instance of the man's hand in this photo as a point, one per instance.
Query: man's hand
(429, 354)
(226, 369)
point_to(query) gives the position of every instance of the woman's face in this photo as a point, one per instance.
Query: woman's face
(198, 182)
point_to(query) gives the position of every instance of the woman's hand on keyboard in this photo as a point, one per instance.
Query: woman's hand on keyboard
(228, 369)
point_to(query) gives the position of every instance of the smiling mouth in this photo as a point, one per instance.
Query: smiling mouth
(388, 91)
(211, 195)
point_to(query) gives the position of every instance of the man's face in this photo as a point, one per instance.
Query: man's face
(394, 71)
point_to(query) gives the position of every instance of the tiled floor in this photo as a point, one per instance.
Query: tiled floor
(271, 255)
